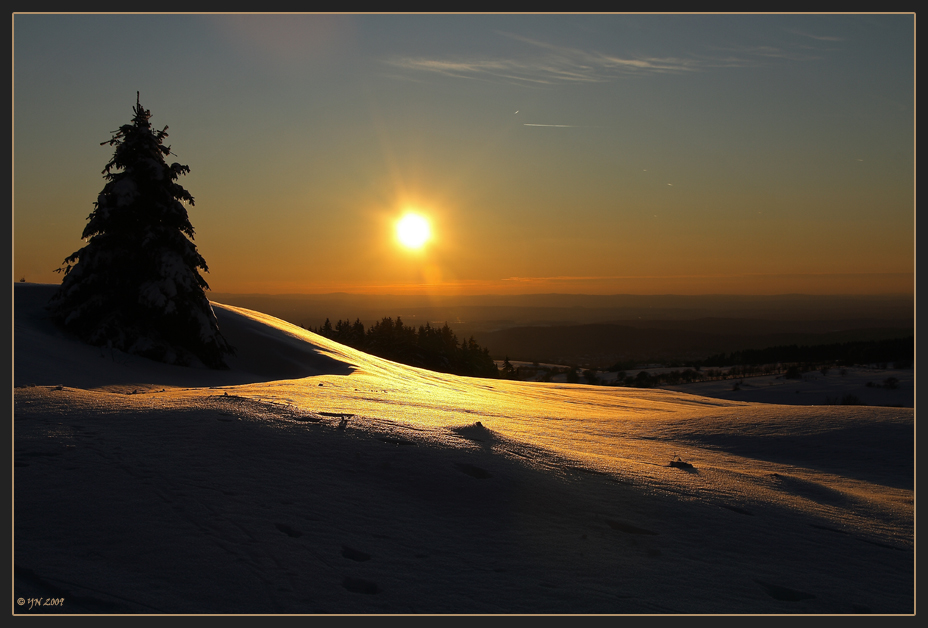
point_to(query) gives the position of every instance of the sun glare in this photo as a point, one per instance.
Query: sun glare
(413, 231)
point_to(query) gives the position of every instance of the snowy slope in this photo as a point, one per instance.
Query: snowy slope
(314, 478)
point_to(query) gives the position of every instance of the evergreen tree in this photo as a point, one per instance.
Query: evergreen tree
(136, 285)
(508, 371)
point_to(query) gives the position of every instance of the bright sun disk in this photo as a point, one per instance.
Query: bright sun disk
(413, 231)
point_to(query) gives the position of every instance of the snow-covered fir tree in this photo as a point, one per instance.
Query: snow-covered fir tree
(136, 284)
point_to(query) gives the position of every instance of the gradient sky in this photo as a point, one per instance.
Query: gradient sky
(577, 154)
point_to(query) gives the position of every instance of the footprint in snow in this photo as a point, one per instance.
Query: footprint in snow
(784, 594)
(473, 471)
(283, 527)
(628, 528)
(357, 585)
(353, 554)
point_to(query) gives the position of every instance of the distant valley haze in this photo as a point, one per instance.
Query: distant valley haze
(599, 330)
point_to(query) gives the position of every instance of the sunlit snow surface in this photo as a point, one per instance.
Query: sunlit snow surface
(315, 478)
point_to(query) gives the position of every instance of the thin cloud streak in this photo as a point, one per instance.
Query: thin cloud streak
(591, 61)
(473, 69)
(560, 65)
(816, 37)
(563, 64)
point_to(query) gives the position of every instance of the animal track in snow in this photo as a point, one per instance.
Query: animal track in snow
(473, 470)
(353, 554)
(628, 528)
(292, 533)
(784, 594)
(358, 585)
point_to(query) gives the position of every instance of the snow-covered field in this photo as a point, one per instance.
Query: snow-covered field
(312, 478)
(862, 384)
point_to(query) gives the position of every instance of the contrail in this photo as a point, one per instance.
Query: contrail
(564, 126)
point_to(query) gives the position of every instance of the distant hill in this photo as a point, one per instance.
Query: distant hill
(475, 314)
(601, 345)
(600, 330)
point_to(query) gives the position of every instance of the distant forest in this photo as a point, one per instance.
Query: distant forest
(897, 350)
(439, 349)
(426, 347)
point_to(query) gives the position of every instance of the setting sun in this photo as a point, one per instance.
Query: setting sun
(413, 231)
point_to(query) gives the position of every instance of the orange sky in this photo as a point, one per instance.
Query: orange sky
(574, 154)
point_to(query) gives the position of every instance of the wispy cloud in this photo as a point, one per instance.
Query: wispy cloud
(557, 64)
(817, 37)
(585, 63)
(747, 56)
(475, 68)
(543, 63)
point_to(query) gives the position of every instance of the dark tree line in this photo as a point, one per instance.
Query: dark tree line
(844, 353)
(425, 347)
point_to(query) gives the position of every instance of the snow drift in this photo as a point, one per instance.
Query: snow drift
(312, 478)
